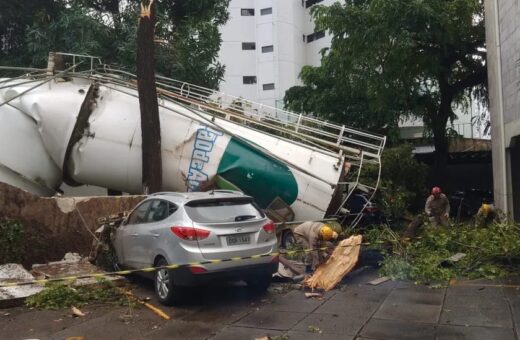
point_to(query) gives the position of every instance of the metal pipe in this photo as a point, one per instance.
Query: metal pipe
(21, 68)
(503, 165)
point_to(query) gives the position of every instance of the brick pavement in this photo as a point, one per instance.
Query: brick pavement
(392, 310)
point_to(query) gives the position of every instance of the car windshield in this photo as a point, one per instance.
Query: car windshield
(220, 211)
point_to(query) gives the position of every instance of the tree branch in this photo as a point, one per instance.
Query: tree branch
(470, 81)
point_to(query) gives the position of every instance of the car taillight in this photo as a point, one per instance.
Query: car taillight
(269, 228)
(371, 209)
(197, 270)
(190, 233)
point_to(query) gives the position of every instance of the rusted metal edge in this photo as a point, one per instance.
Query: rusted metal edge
(79, 129)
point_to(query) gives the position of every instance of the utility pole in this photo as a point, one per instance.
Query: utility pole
(150, 124)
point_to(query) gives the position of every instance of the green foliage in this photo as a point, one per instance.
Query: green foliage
(490, 252)
(15, 17)
(403, 180)
(20, 243)
(56, 296)
(394, 59)
(62, 295)
(187, 31)
(12, 241)
(73, 29)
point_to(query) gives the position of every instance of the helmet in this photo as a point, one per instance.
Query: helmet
(485, 209)
(436, 190)
(327, 233)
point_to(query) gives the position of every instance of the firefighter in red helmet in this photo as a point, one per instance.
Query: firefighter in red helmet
(438, 208)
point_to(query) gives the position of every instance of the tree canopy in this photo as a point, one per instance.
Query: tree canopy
(187, 35)
(392, 59)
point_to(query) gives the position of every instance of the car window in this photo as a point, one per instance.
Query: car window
(219, 211)
(160, 210)
(139, 214)
(172, 208)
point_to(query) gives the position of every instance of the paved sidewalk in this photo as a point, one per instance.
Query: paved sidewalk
(392, 310)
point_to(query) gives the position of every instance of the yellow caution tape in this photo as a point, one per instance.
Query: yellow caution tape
(170, 266)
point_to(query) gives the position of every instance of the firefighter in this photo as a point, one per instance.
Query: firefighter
(310, 235)
(486, 214)
(437, 208)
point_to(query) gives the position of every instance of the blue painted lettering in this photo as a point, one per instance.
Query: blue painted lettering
(205, 139)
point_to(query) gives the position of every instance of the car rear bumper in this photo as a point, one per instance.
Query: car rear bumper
(184, 276)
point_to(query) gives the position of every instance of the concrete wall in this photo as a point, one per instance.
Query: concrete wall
(53, 225)
(503, 47)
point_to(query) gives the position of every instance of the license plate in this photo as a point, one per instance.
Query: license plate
(233, 240)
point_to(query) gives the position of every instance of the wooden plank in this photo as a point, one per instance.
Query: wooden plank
(378, 281)
(340, 263)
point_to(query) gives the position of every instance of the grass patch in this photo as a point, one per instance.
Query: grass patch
(63, 295)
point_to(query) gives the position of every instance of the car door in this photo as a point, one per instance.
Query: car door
(128, 236)
(151, 232)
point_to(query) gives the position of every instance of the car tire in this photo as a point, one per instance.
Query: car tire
(259, 284)
(167, 293)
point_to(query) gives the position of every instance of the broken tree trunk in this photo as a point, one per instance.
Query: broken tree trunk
(150, 124)
(340, 263)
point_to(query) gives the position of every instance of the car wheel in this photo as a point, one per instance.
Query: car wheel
(165, 290)
(288, 240)
(260, 283)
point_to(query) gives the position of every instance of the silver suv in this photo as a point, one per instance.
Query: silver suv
(184, 228)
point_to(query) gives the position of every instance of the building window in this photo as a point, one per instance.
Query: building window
(268, 87)
(267, 49)
(249, 80)
(248, 46)
(247, 12)
(310, 3)
(315, 36)
(266, 11)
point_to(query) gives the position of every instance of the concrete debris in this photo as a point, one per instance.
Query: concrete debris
(72, 257)
(14, 296)
(14, 271)
(68, 204)
(72, 265)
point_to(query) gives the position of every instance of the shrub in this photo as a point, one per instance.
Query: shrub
(491, 252)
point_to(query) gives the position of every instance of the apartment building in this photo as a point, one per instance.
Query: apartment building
(265, 44)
